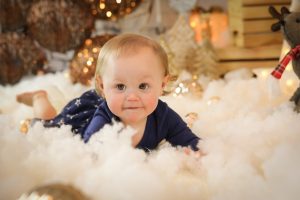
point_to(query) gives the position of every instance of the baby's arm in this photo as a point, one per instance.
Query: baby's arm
(179, 134)
(97, 122)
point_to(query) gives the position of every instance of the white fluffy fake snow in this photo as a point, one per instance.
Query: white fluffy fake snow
(252, 145)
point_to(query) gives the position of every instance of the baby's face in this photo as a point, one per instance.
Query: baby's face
(132, 85)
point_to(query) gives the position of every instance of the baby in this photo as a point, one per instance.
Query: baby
(132, 71)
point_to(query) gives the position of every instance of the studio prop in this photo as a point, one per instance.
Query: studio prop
(289, 23)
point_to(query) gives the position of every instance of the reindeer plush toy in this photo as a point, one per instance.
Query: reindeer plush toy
(289, 23)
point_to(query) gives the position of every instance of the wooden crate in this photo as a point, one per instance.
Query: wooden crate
(250, 22)
(231, 58)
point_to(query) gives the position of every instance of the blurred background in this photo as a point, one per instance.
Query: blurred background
(202, 37)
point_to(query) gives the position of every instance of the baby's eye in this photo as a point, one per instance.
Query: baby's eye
(121, 87)
(144, 86)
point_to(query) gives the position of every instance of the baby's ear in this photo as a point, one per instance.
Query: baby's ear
(99, 82)
(99, 85)
(165, 81)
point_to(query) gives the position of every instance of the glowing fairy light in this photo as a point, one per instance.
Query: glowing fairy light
(193, 24)
(112, 9)
(102, 6)
(85, 69)
(264, 73)
(108, 14)
(95, 50)
(181, 89)
(85, 53)
(194, 20)
(177, 90)
(89, 63)
(88, 42)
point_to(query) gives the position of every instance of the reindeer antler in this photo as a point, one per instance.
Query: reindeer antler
(275, 13)
(280, 16)
(285, 11)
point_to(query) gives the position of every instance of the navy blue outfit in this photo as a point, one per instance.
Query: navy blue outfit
(89, 113)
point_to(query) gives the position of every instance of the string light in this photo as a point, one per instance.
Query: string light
(89, 62)
(83, 64)
(188, 88)
(102, 6)
(112, 10)
(108, 14)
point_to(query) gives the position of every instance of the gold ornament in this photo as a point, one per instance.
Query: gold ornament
(213, 100)
(112, 10)
(191, 118)
(60, 25)
(54, 192)
(13, 14)
(83, 64)
(19, 56)
(24, 125)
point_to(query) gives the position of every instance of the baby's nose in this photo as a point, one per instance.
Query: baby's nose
(132, 96)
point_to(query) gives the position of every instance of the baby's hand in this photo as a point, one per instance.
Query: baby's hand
(196, 154)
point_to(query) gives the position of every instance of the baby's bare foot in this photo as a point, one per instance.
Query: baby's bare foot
(28, 97)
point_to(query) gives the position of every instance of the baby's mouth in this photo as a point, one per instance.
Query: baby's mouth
(132, 108)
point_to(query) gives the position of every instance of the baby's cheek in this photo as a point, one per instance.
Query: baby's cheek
(114, 105)
(152, 103)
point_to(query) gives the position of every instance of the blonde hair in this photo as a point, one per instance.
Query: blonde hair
(126, 44)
